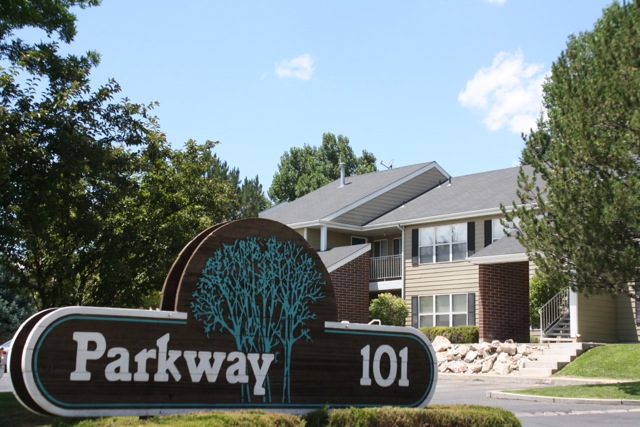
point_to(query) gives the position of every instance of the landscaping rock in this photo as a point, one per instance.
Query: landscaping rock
(440, 343)
(497, 358)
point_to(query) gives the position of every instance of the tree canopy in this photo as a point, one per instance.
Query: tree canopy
(579, 209)
(94, 203)
(302, 170)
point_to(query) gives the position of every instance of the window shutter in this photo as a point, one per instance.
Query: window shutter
(414, 312)
(471, 309)
(487, 233)
(414, 247)
(471, 238)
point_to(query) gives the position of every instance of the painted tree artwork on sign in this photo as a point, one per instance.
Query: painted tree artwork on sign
(260, 291)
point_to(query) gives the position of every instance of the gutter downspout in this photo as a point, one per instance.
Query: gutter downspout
(402, 268)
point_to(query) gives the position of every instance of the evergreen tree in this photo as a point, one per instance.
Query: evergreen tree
(579, 210)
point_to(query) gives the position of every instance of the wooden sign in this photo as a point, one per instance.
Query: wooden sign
(247, 320)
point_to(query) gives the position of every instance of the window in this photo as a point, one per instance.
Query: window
(443, 243)
(397, 246)
(443, 310)
(380, 248)
(355, 240)
(497, 230)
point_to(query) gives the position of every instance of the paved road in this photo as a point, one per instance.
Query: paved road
(5, 384)
(455, 389)
(463, 389)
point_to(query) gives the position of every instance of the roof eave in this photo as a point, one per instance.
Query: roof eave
(498, 259)
(333, 267)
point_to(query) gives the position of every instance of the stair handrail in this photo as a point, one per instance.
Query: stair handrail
(553, 310)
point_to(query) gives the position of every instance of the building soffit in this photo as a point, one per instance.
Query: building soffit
(389, 197)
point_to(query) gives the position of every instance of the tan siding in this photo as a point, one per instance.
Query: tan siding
(439, 278)
(335, 240)
(626, 317)
(313, 237)
(597, 319)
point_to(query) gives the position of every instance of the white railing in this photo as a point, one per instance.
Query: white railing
(553, 310)
(386, 267)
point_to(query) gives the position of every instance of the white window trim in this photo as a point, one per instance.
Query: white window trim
(451, 313)
(436, 245)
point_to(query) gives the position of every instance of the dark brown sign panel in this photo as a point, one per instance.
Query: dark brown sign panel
(248, 320)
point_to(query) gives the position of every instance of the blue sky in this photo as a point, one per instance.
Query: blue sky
(410, 81)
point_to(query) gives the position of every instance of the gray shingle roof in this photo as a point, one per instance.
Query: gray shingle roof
(337, 256)
(330, 199)
(466, 194)
(508, 245)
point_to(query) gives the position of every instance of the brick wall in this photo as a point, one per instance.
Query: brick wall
(504, 302)
(351, 289)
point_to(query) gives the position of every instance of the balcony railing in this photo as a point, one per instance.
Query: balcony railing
(386, 267)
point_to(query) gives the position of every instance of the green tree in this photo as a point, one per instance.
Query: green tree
(539, 294)
(251, 198)
(14, 308)
(94, 204)
(302, 170)
(389, 309)
(579, 207)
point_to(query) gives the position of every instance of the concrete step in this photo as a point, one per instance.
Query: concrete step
(556, 358)
(569, 348)
(551, 364)
(553, 358)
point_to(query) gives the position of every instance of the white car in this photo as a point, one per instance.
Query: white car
(4, 355)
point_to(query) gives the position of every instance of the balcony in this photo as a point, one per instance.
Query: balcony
(386, 267)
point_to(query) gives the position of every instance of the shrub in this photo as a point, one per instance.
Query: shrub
(435, 415)
(389, 309)
(540, 292)
(455, 334)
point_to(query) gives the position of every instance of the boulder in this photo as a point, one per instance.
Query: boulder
(471, 356)
(440, 343)
(502, 368)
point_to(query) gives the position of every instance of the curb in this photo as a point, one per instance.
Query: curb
(550, 399)
(516, 379)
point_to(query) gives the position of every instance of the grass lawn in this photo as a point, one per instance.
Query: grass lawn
(613, 361)
(624, 390)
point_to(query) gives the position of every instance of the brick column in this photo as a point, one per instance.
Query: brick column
(351, 290)
(504, 302)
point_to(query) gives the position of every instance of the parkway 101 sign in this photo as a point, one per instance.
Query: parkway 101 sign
(248, 320)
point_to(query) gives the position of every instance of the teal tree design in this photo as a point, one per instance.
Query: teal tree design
(260, 291)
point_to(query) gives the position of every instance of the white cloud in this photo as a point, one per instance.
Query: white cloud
(300, 67)
(508, 93)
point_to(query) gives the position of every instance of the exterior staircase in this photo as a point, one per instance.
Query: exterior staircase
(555, 357)
(560, 331)
(555, 319)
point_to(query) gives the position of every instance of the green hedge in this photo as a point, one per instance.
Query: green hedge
(455, 334)
(434, 415)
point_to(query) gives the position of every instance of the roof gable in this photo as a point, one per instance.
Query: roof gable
(362, 198)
